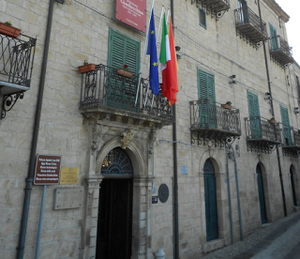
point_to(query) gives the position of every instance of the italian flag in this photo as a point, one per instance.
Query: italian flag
(168, 63)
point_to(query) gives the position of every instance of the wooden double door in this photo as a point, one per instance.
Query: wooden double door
(115, 219)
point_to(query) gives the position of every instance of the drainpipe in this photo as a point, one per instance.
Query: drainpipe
(272, 108)
(229, 197)
(175, 174)
(237, 191)
(30, 175)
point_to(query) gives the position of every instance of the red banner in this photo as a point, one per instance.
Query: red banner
(132, 12)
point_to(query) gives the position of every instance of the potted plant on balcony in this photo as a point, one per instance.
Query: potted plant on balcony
(227, 105)
(7, 29)
(86, 67)
(124, 72)
(272, 120)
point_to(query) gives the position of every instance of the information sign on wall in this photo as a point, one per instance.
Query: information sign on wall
(69, 175)
(47, 170)
(132, 13)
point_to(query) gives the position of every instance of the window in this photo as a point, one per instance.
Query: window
(254, 114)
(286, 126)
(123, 50)
(202, 18)
(273, 35)
(206, 93)
(298, 87)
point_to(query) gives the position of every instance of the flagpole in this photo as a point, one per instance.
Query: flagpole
(160, 21)
(144, 54)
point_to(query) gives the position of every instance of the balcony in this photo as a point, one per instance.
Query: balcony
(249, 26)
(280, 51)
(212, 122)
(106, 94)
(216, 8)
(262, 135)
(290, 141)
(16, 63)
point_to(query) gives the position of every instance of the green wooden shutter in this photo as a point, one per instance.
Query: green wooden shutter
(206, 91)
(261, 195)
(254, 115)
(286, 126)
(273, 35)
(123, 50)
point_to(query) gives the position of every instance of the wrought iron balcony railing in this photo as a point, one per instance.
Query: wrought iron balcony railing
(103, 90)
(280, 51)
(215, 8)
(212, 122)
(290, 140)
(262, 134)
(16, 63)
(250, 26)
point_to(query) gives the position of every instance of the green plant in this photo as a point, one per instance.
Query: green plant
(125, 67)
(8, 23)
(272, 118)
(229, 103)
(85, 62)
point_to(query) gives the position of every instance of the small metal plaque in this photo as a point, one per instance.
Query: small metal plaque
(69, 175)
(184, 170)
(163, 193)
(154, 199)
(68, 198)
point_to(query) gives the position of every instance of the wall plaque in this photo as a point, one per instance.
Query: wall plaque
(163, 193)
(69, 175)
(132, 13)
(47, 170)
(68, 198)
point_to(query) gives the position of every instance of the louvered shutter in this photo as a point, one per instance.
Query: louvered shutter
(273, 35)
(286, 126)
(123, 50)
(254, 115)
(206, 93)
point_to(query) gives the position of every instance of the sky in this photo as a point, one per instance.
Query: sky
(291, 7)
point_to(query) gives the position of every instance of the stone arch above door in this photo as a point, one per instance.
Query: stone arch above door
(132, 151)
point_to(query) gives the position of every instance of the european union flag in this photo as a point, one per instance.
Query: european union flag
(151, 50)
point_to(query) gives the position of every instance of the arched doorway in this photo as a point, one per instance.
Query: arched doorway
(293, 186)
(211, 211)
(114, 236)
(261, 195)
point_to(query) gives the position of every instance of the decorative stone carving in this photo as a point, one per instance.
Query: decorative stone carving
(126, 138)
(96, 130)
(152, 138)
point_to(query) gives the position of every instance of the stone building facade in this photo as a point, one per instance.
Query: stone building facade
(233, 171)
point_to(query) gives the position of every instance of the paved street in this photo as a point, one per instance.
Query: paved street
(279, 240)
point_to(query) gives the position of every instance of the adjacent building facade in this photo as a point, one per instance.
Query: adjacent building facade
(136, 174)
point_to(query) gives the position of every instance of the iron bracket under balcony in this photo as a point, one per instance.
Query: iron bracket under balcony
(280, 51)
(250, 27)
(215, 8)
(263, 136)
(108, 95)
(16, 63)
(211, 122)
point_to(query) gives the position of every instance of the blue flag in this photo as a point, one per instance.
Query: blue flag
(151, 50)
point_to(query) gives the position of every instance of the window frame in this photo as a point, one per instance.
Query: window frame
(202, 12)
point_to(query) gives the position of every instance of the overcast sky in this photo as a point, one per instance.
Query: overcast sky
(291, 7)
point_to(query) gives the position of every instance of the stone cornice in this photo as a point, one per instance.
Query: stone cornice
(277, 9)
